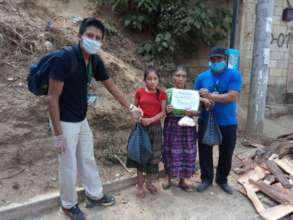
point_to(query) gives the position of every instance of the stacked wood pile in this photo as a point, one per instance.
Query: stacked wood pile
(266, 176)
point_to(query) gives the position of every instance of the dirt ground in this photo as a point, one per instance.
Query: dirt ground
(171, 204)
(174, 203)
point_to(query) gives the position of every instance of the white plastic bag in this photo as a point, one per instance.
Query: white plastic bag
(186, 121)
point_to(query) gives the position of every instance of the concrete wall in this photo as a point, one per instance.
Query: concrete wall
(281, 45)
(281, 52)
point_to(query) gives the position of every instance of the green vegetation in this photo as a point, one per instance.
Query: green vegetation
(174, 27)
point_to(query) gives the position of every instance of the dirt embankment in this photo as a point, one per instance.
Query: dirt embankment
(28, 29)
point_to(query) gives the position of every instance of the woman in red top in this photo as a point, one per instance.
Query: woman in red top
(152, 101)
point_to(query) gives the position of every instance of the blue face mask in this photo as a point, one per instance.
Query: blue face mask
(217, 67)
(91, 46)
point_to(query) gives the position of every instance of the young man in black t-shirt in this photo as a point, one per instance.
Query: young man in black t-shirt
(68, 101)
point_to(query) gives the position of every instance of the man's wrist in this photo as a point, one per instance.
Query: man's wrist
(213, 97)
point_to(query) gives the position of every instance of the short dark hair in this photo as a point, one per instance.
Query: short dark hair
(91, 21)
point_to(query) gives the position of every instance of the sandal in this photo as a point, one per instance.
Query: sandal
(167, 185)
(185, 187)
(151, 188)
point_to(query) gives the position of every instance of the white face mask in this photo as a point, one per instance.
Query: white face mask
(91, 46)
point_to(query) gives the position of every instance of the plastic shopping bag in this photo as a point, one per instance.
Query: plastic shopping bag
(212, 134)
(139, 145)
(186, 121)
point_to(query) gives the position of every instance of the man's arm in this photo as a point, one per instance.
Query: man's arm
(221, 98)
(234, 88)
(224, 98)
(117, 94)
(55, 90)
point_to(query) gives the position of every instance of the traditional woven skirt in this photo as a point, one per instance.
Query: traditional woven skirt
(155, 134)
(179, 151)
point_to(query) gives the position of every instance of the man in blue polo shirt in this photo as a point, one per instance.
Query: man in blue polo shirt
(221, 86)
(69, 95)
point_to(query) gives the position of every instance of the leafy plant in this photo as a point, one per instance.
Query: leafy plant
(136, 21)
(148, 50)
(110, 29)
(175, 27)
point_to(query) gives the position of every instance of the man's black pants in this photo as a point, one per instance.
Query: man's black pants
(226, 150)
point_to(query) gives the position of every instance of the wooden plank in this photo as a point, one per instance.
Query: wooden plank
(275, 193)
(247, 165)
(247, 154)
(276, 212)
(237, 162)
(272, 166)
(257, 174)
(251, 144)
(285, 164)
(267, 201)
(284, 148)
(288, 192)
(269, 179)
(250, 193)
(242, 190)
(284, 136)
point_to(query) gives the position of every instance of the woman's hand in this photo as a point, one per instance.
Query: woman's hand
(169, 109)
(204, 93)
(191, 113)
(146, 121)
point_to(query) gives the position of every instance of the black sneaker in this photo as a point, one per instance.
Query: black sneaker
(226, 188)
(203, 186)
(74, 213)
(107, 200)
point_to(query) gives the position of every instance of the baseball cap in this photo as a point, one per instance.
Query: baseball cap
(218, 52)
